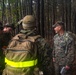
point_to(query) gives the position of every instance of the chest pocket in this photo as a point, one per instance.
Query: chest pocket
(60, 41)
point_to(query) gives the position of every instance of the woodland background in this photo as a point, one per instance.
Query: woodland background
(47, 12)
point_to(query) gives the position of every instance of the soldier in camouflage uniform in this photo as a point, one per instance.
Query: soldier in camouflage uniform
(7, 33)
(44, 55)
(63, 52)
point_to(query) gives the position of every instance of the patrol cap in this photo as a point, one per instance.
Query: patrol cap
(58, 23)
(28, 22)
(9, 25)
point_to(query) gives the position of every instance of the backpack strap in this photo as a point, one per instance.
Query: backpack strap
(33, 38)
(19, 36)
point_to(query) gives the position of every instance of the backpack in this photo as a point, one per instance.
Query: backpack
(22, 48)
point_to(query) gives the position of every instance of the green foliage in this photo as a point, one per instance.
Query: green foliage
(11, 1)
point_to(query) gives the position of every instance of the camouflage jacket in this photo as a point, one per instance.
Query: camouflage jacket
(45, 62)
(44, 56)
(63, 51)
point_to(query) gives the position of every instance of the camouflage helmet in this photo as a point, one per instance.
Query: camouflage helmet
(28, 22)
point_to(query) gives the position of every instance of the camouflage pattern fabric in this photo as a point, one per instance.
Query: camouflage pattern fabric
(74, 63)
(45, 58)
(63, 51)
(45, 62)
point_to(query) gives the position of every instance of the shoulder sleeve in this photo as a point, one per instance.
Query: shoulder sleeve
(71, 49)
(45, 54)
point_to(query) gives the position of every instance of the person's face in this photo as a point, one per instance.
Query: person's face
(57, 29)
(7, 29)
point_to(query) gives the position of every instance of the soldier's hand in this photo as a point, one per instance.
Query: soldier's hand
(67, 67)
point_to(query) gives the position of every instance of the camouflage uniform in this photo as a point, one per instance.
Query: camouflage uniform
(44, 55)
(45, 58)
(7, 33)
(74, 63)
(63, 51)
